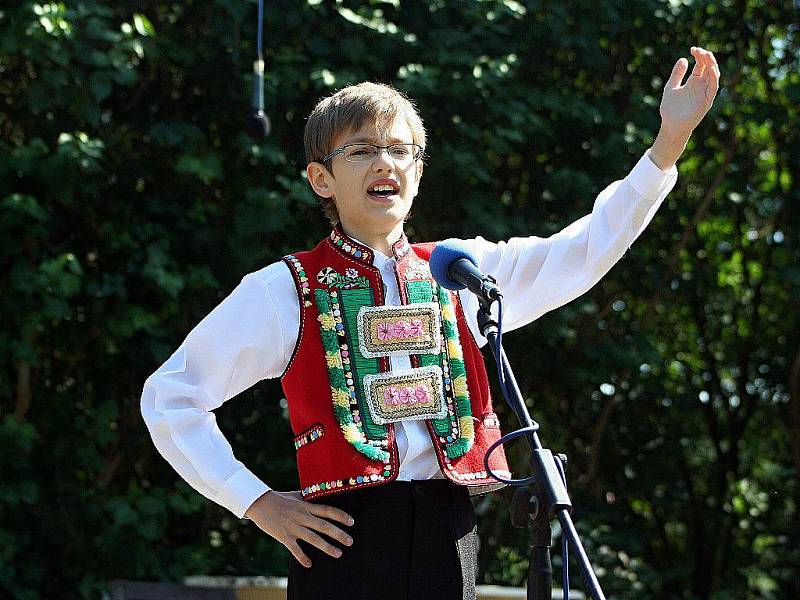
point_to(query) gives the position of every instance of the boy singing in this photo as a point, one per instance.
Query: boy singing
(387, 391)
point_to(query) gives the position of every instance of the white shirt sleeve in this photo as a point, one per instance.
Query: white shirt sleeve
(248, 337)
(539, 274)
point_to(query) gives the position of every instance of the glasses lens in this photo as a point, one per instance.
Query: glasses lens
(402, 152)
(360, 152)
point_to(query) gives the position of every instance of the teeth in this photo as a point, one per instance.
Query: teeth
(383, 188)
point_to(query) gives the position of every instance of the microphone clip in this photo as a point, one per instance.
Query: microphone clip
(490, 293)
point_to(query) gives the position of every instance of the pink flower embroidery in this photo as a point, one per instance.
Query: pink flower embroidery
(407, 396)
(351, 273)
(415, 328)
(421, 394)
(385, 331)
(402, 329)
(392, 396)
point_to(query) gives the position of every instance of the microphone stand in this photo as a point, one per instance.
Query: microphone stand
(547, 497)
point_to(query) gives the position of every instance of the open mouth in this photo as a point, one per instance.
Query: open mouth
(383, 190)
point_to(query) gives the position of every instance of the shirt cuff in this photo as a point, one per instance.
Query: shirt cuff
(649, 181)
(240, 491)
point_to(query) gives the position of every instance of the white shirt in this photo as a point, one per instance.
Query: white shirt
(251, 334)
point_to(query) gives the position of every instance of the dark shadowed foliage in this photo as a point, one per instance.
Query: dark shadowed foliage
(131, 203)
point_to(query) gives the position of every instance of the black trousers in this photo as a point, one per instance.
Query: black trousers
(412, 540)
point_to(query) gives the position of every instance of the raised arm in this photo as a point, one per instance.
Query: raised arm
(540, 274)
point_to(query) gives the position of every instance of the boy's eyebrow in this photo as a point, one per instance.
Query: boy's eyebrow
(375, 141)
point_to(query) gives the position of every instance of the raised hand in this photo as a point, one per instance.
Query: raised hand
(684, 106)
(288, 518)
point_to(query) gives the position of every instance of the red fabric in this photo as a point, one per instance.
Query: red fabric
(330, 458)
(480, 399)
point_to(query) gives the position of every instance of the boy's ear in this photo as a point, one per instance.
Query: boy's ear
(320, 178)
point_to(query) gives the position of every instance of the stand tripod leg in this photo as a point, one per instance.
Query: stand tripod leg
(540, 569)
(549, 498)
(526, 513)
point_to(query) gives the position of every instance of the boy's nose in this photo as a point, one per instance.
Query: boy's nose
(383, 160)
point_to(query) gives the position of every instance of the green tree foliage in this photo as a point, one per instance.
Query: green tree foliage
(131, 203)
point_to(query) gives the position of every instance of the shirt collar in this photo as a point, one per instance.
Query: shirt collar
(363, 253)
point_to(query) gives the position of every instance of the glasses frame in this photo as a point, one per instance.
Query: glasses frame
(419, 151)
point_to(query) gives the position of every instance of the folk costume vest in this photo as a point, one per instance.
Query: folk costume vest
(344, 399)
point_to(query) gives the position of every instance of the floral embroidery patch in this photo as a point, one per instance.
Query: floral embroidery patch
(405, 395)
(331, 278)
(393, 330)
(418, 269)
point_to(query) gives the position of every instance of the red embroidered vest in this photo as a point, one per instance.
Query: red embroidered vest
(344, 399)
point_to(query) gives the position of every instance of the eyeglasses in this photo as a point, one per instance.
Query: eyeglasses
(399, 153)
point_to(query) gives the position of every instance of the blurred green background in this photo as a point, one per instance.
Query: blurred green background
(131, 203)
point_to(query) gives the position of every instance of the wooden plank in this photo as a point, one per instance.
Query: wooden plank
(141, 590)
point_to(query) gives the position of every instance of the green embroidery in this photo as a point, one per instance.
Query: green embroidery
(422, 291)
(458, 377)
(351, 302)
(457, 428)
(347, 367)
(343, 394)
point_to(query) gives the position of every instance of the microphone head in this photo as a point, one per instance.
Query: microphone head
(443, 255)
(258, 125)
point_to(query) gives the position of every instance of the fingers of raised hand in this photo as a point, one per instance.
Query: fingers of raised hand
(711, 76)
(713, 84)
(706, 63)
(678, 72)
(712, 69)
(714, 64)
(700, 63)
(707, 71)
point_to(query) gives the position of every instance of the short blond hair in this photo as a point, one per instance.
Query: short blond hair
(349, 109)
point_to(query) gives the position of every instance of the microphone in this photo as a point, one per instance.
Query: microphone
(258, 125)
(454, 268)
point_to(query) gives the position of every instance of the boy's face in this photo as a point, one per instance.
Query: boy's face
(350, 183)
